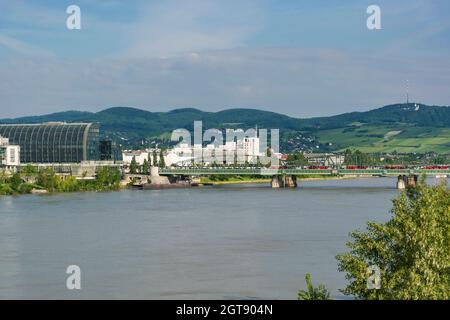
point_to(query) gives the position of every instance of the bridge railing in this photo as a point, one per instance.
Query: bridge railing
(299, 171)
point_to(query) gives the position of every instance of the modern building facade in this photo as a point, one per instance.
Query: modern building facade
(54, 142)
(109, 151)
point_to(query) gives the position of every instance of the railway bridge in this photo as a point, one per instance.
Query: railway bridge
(288, 177)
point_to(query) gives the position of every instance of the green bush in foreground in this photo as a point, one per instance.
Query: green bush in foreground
(311, 293)
(412, 250)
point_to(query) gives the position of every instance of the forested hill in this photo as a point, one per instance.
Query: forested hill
(413, 114)
(130, 125)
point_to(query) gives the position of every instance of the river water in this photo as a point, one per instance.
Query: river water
(228, 242)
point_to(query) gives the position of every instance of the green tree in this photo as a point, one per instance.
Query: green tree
(296, 159)
(162, 162)
(3, 177)
(311, 293)
(155, 158)
(15, 181)
(348, 156)
(29, 171)
(440, 160)
(412, 249)
(145, 167)
(258, 162)
(133, 165)
(70, 184)
(47, 179)
(108, 177)
(5, 189)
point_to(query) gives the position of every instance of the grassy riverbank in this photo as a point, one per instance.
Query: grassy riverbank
(30, 181)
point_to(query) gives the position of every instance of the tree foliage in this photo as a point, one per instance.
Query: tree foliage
(358, 158)
(312, 293)
(155, 158)
(296, 159)
(145, 167)
(133, 166)
(29, 171)
(47, 179)
(107, 178)
(162, 162)
(412, 249)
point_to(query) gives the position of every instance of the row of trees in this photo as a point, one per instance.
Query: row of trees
(411, 251)
(359, 158)
(296, 159)
(356, 157)
(145, 167)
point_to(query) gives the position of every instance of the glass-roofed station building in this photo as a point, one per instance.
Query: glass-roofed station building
(54, 142)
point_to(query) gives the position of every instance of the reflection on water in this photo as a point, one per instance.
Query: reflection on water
(227, 242)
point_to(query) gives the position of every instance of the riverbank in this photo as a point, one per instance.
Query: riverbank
(46, 181)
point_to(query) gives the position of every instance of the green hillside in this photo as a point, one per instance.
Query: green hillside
(400, 127)
(400, 138)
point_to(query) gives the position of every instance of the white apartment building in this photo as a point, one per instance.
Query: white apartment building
(183, 154)
(251, 148)
(139, 155)
(246, 149)
(9, 154)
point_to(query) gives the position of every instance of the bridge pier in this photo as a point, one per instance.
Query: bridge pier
(401, 185)
(284, 181)
(412, 181)
(404, 181)
(290, 181)
(277, 182)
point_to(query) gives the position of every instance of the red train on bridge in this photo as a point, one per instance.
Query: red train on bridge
(352, 167)
(318, 167)
(436, 167)
(395, 166)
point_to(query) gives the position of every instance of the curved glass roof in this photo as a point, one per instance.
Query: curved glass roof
(53, 142)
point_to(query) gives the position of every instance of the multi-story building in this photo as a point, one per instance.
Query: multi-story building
(139, 155)
(251, 148)
(240, 151)
(9, 154)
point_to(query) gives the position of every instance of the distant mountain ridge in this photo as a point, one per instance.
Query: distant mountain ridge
(132, 125)
(416, 114)
(412, 113)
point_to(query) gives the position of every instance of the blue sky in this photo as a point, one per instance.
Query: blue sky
(302, 58)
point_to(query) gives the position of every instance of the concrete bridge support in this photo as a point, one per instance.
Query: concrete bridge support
(277, 182)
(412, 181)
(290, 181)
(404, 181)
(401, 184)
(284, 181)
(155, 178)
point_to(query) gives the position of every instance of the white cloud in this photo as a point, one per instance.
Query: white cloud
(300, 82)
(196, 53)
(176, 27)
(22, 48)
